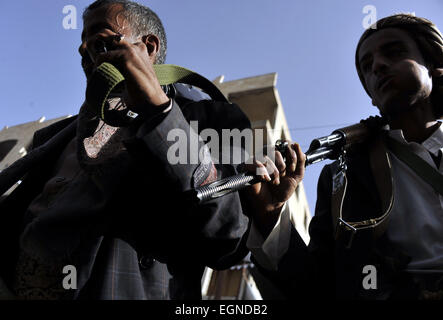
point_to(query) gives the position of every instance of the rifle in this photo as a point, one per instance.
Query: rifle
(330, 147)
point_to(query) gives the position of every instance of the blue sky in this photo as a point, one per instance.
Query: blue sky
(310, 44)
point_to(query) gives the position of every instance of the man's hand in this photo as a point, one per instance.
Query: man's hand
(279, 182)
(133, 60)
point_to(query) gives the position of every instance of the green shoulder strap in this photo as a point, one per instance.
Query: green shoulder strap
(423, 169)
(106, 78)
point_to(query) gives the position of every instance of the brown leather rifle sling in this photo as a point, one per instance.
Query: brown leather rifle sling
(381, 168)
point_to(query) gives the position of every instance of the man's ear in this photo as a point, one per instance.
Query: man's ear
(152, 42)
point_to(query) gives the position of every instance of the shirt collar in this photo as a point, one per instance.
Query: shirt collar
(433, 144)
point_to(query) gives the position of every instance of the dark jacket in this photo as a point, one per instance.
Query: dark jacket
(326, 268)
(147, 242)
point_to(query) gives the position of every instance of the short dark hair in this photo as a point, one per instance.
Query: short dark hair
(429, 41)
(142, 20)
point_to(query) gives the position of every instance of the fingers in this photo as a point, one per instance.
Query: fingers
(301, 162)
(266, 170)
(114, 57)
(273, 170)
(257, 168)
(280, 163)
(295, 161)
(294, 164)
(291, 159)
(124, 53)
(100, 43)
(108, 46)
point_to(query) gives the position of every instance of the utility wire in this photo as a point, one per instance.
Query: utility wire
(340, 125)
